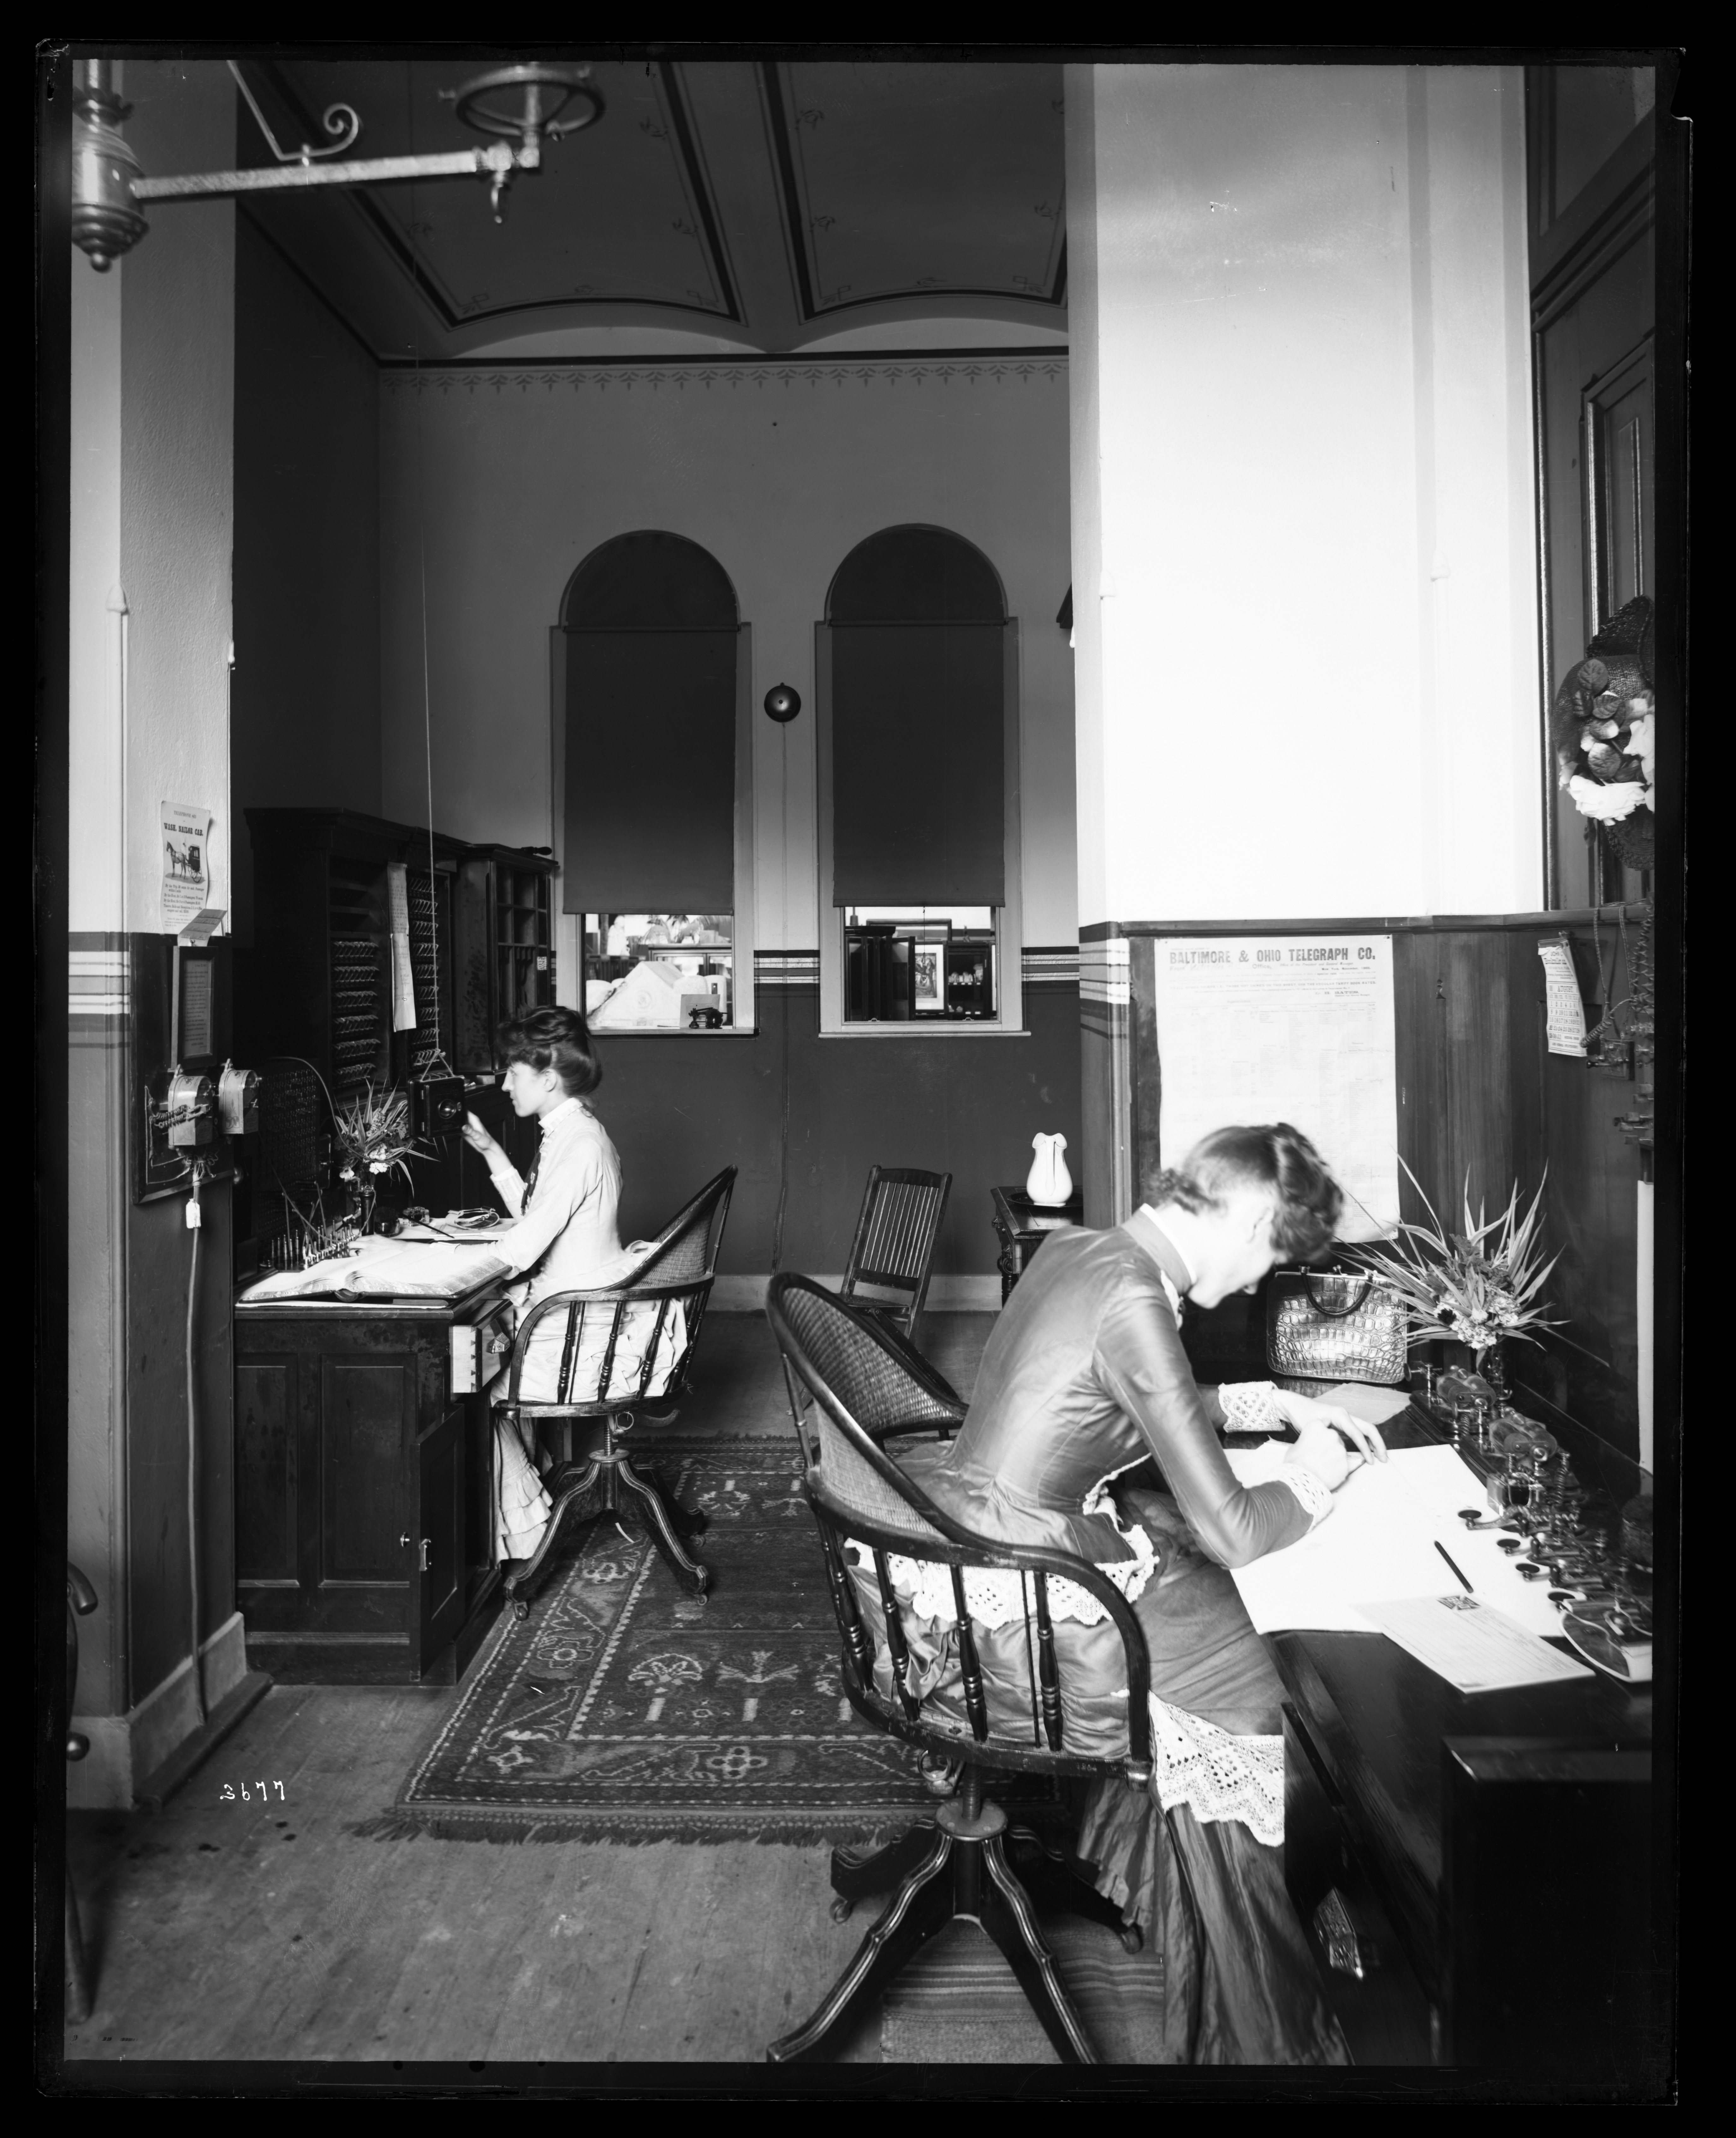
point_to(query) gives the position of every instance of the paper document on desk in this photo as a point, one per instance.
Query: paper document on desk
(1472, 1647)
(421, 1270)
(1380, 1540)
(1364, 1400)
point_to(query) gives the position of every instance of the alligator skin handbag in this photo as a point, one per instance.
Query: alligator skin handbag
(1335, 1326)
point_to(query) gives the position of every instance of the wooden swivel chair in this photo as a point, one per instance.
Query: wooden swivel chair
(598, 1476)
(893, 1252)
(958, 1864)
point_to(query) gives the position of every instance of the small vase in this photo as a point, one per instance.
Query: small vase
(363, 1199)
(1049, 1184)
(1492, 1364)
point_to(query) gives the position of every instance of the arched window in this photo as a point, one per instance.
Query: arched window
(918, 784)
(650, 708)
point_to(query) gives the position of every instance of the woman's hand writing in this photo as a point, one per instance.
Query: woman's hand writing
(1318, 1447)
(1322, 1432)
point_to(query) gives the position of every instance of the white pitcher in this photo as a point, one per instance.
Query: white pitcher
(1049, 1183)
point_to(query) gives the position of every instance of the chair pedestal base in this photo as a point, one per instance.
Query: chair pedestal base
(605, 1482)
(957, 1867)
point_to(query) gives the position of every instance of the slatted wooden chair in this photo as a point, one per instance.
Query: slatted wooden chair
(594, 1405)
(893, 1253)
(870, 1510)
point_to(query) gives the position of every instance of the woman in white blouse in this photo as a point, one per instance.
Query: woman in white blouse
(561, 1235)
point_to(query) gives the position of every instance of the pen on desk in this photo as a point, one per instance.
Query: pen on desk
(1452, 1563)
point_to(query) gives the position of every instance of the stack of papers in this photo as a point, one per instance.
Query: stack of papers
(1473, 1647)
(1379, 1544)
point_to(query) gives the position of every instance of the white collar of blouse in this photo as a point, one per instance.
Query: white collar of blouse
(562, 1117)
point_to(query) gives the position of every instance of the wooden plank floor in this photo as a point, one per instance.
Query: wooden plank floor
(238, 1928)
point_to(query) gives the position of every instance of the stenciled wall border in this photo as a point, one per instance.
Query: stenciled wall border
(760, 372)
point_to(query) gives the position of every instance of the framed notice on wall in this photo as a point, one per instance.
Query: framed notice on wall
(1294, 1028)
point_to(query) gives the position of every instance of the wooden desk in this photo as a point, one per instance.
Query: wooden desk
(363, 1489)
(1490, 1855)
(1021, 1227)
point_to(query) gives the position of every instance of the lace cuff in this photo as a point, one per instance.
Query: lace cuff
(1250, 1407)
(1215, 1774)
(1314, 1496)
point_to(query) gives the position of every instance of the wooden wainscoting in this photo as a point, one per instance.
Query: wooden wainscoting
(1479, 1095)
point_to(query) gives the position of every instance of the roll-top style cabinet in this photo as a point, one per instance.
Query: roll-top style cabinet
(352, 911)
(504, 945)
(362, 1488)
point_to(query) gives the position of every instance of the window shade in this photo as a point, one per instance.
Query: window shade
(650, 772)
(917, 779)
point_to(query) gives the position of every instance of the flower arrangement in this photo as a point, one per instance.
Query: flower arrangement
(1472, 1287)
(1605, 725)
(372, 1137)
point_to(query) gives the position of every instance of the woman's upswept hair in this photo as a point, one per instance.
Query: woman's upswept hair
(1306, 1200)
(555, 1038)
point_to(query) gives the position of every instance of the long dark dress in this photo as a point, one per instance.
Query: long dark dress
(1085, 1377)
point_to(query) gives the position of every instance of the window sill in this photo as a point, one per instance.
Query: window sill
(668, 1032)
(925, 1028)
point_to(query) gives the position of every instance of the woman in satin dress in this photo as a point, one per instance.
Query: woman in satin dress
(1084, 1379)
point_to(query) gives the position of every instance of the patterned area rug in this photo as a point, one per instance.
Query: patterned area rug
(625, 1710)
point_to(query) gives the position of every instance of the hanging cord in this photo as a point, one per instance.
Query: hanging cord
(437, 1060)
(783, 1012)
(196, 1220)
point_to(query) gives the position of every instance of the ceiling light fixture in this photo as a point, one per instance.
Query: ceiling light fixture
(524, 106)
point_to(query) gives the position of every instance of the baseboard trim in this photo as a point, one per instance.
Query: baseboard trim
(124, 1747)
(192, 1752)
(947, 1295)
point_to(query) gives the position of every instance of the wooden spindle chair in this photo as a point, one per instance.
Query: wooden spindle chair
(893, 1253)
(864, 1395)
(597, 1474)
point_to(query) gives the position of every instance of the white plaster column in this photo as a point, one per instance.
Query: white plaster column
(1303, 553)
(149, 625)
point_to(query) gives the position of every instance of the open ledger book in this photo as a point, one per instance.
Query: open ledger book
(1376, 1565)
(383, 1269)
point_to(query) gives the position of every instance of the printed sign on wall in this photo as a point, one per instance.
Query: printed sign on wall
(187, 828)
(1295, 1028)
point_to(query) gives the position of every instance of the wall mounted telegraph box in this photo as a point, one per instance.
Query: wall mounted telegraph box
(181, 1038)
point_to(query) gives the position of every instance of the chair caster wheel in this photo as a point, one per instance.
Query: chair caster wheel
(841, 1910)
(1131, 1939)
(520, 1609)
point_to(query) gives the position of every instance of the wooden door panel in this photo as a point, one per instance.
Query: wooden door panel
(265, 1486)
(368, 1423)
(1619, 461)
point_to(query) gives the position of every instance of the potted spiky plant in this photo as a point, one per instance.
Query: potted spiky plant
(1476, 1287)
(373, 1140)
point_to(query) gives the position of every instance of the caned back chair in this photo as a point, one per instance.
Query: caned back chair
(878, 1528)
(893, 1253)
(618, 1350)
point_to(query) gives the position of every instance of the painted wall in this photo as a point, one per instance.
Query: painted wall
(502, 481)
(152, 526)
(1307, 679)
(804, 1119)
(305, 727)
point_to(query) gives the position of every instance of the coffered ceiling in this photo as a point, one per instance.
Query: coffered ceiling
(763, 206)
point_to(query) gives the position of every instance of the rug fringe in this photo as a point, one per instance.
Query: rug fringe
(630, 1832)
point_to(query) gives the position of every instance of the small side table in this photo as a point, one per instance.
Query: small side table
(1022, 1226)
